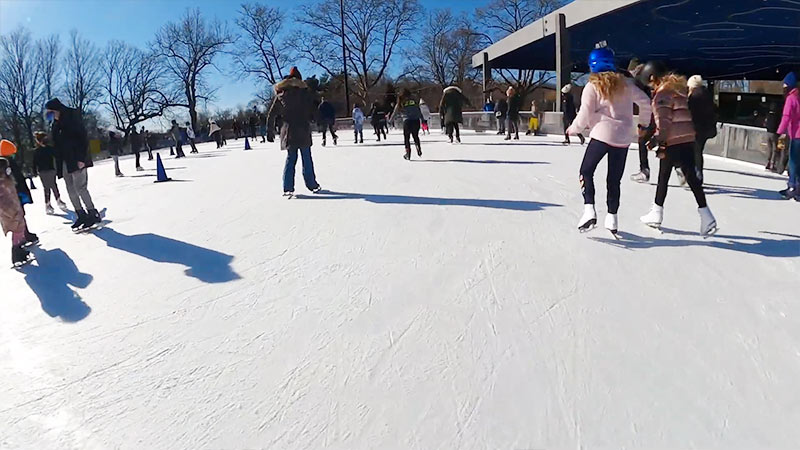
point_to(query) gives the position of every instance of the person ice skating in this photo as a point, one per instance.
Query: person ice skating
(569, 111)
(607, 109)
(358, 123)
(295, 103)
(253, 126)
(408, 110)
(674, 142)
(190, 136)
(12, 216)
(44, 163)
(645, 133)
(176, 132)
(704, 118)
(215, 132)
(514, 106)
(136, 147)
(790, 129)
(8, 152)
(327, 119)
(535, 120)
(149, 142)
(426, 116)
(115, 150)
(451, 106)
(236, 129)
(378, 120)
(501, 113)
(771, 123)
(73, 161)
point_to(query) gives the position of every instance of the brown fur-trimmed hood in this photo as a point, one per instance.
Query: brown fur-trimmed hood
(289, 83)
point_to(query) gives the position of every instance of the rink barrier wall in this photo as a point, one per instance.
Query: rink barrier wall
(737, 142)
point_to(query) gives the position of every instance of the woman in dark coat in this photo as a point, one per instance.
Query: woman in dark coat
(378, 120)
(450, 108)
(570, 112)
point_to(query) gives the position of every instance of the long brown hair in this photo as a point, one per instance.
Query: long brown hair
(673, 81)
(608, 84)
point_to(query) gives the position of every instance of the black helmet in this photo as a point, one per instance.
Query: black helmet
(656, 69)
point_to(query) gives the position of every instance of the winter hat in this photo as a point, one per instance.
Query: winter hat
(566, 89)
(790, 81)
(54, 105)
(295, 73)
(695, 81)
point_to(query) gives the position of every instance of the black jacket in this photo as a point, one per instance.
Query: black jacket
(514, 106)
(772, 122)
(408, 110)
(377, 115)
(44, 159)
(23, 192)
(71, 141)
(136, 141)
(294, 103)
(502, 108)
(704, 113)
(452, 104)
(327, 113)
(568, 108)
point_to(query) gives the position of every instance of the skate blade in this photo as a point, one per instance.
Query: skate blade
(653, 226)
(615, 234)
(711, 232)
(21, 264)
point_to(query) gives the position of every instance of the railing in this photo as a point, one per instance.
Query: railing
(733, 141)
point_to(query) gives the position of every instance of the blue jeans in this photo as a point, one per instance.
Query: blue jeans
(794, 164)
(308, 169)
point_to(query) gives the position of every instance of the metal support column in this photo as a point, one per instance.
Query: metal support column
(487, 76)
(563, 64)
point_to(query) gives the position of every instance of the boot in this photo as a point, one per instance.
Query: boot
(407, 156)
(80, 221)
(92, 218)
(419, 150)
(588, 219)
(19, 256)
(612, 223)
(30, 239)
(708, 224)
(654, 217)
(641, 177)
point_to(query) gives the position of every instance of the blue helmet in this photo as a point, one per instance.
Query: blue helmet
(602, 60)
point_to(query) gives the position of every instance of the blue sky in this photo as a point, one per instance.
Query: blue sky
(136, 21)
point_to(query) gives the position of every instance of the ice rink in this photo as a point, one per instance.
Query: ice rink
(447, 303)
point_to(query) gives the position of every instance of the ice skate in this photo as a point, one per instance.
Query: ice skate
(80, 221)
(317, 189)
(49, 210)
(30, 239)
(288, 194)
(419, 150)
(407, 156)
(139, 169)
(20, 256)
(120, 175)
(91, 221)
(708, 224)
(588, 220)
(62, 206)
(788, 194)
(612, 224)
(654, 218)
(641, 177)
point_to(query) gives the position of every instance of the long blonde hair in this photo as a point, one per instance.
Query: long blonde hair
(608, 84)
(674, 82)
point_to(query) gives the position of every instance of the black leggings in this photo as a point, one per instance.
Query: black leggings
(616, 166)
(453, 126)
(682, 156)
(411, 128)
(379, 128)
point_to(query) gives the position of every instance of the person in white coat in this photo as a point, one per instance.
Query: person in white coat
(191, 136)
(215, 132)
(426, 116)
(358, 123)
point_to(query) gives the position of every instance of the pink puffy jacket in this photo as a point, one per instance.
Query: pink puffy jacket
(790, 125)
(673, 118)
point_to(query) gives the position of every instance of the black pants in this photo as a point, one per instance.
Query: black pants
(378, 127)
(149, 153)
(616, 166)
(325, 128)
(644, 163)
(682, 156)
(567, 124)
(410, 128)
(218, 138)
(136, 152)
(194, 148)
(513, 127)
(252, 132)
(699, 147)
(453, 126)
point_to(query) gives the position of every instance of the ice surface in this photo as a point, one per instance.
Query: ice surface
(437, 304)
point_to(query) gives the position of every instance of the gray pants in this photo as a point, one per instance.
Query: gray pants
(78, 188)
(48, 178)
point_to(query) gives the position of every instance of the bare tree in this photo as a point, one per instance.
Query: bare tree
(135, 84)
(82, 72)
(20, 99)
(503, 17)
(189, 47)
(373, 29)
(48, 53)
(262, 53)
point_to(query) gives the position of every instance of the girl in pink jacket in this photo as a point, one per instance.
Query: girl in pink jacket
(607, 108)
(790, 126)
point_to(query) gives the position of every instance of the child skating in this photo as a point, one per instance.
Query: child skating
(44, 163)
(358, 124)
